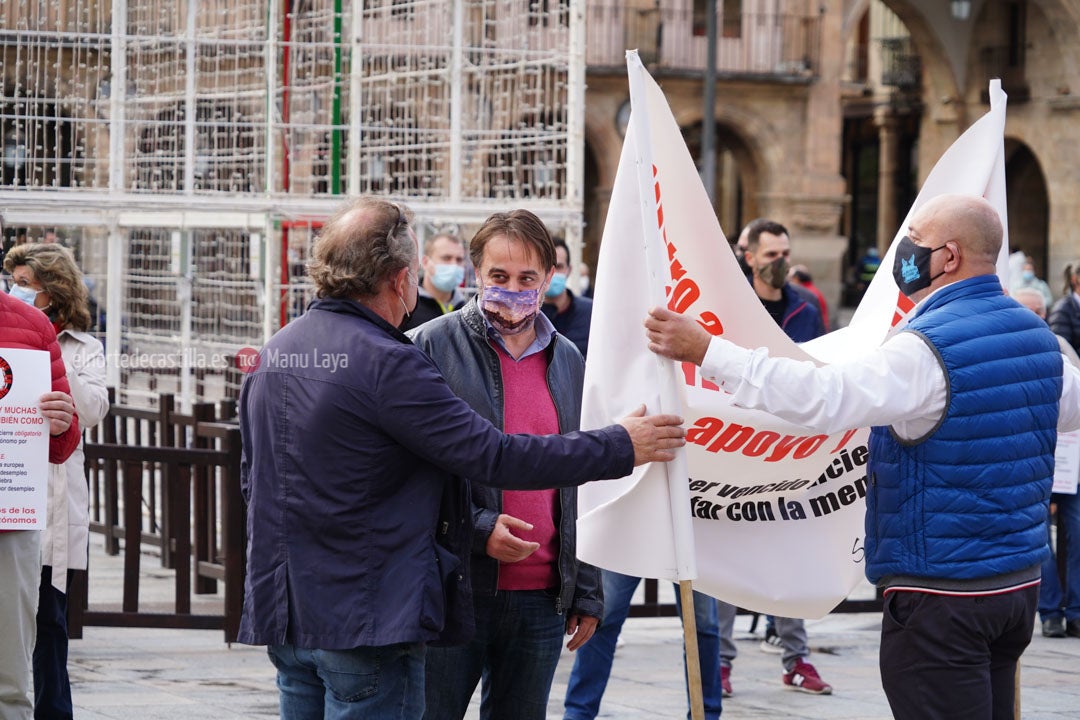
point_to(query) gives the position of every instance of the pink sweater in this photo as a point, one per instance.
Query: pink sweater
(528, 408)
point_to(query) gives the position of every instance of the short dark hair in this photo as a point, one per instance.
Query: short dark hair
(558, 242)
(520, 225)
(763, 225)
(362, 245)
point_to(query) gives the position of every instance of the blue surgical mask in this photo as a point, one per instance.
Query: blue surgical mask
(1028, 275)
(446, 277)
(26, 294)
(911, 266)
(557, 285)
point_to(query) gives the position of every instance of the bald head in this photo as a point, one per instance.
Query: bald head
(361, 247)
(971, 222)
(1032, 299)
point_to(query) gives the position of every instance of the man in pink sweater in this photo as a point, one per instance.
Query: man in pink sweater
(503, 356)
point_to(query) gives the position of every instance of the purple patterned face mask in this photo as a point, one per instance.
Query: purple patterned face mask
(508, 311)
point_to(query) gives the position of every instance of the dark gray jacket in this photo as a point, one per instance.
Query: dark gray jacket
(458, 344)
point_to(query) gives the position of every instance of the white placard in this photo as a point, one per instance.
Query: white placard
(24, 439)
(1067, 463)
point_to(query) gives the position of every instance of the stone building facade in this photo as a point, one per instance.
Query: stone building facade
(837, 149)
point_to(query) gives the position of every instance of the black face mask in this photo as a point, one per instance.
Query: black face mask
(911, 266)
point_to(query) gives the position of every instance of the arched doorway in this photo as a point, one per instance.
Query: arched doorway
(1028, 206)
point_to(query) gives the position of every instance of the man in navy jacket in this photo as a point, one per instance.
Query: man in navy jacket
(355, 454)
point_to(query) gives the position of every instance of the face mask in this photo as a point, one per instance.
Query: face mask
(408, 315)
(509, 312)
(558, 284)
(911, 267)
(1028, 275)
(27, 295)
(446, 277)
(775, 273)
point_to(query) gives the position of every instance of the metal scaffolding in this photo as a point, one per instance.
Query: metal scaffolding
(189, 151)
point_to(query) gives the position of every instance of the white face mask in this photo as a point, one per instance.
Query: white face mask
(27, 294)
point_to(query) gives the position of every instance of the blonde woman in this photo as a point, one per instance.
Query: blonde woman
(46, 277)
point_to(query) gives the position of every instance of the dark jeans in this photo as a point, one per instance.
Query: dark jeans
(1054, 599)
(366, 683)
(516, 651)
(52, 687)
(954, 657)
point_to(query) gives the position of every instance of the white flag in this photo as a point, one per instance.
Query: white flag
(770, 517)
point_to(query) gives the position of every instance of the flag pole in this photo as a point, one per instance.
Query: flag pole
(676, 470)
(693, 660)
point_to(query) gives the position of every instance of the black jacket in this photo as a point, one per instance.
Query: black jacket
(459, 346)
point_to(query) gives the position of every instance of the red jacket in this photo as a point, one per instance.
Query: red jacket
(25, 328)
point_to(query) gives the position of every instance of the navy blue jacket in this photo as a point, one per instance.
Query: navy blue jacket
(354, 463)
(802, 320)
(968, 501)
(1065, 320)
(459, 345)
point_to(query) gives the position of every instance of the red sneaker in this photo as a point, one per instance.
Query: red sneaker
(804, 678)
(725, 681)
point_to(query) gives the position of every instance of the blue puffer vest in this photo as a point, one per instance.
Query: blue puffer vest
(969, 500)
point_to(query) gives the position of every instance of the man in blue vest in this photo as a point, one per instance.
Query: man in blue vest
(963, 407)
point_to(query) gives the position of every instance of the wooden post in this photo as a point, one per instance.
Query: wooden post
(693, 661)
(1016, 699)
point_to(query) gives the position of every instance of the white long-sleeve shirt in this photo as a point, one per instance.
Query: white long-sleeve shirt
(901, 384)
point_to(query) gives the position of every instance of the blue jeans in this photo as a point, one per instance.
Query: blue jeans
(516, 651)
(1055, 601)
(592, 667)
(366, 683)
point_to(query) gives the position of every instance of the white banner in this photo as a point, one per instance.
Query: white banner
(1067, 463)
(775, 512)
(24, 439)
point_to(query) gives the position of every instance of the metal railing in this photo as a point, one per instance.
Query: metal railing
(901, 66)
(779, 45)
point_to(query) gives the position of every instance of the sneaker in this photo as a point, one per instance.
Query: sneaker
(1053, 627)
(725, 681)
(1072, 628)
(804, 678)
(772, 643)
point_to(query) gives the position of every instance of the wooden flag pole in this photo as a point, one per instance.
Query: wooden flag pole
(693, 661)
(1016, 699)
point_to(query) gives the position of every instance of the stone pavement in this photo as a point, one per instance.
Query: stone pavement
(133, 674)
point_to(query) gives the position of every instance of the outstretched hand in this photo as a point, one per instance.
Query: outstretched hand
(655, 437)
(676, 336)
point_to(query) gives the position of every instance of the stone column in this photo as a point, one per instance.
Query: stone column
(887, 222)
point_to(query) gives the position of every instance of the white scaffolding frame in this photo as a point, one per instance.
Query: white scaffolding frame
(199, 145)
